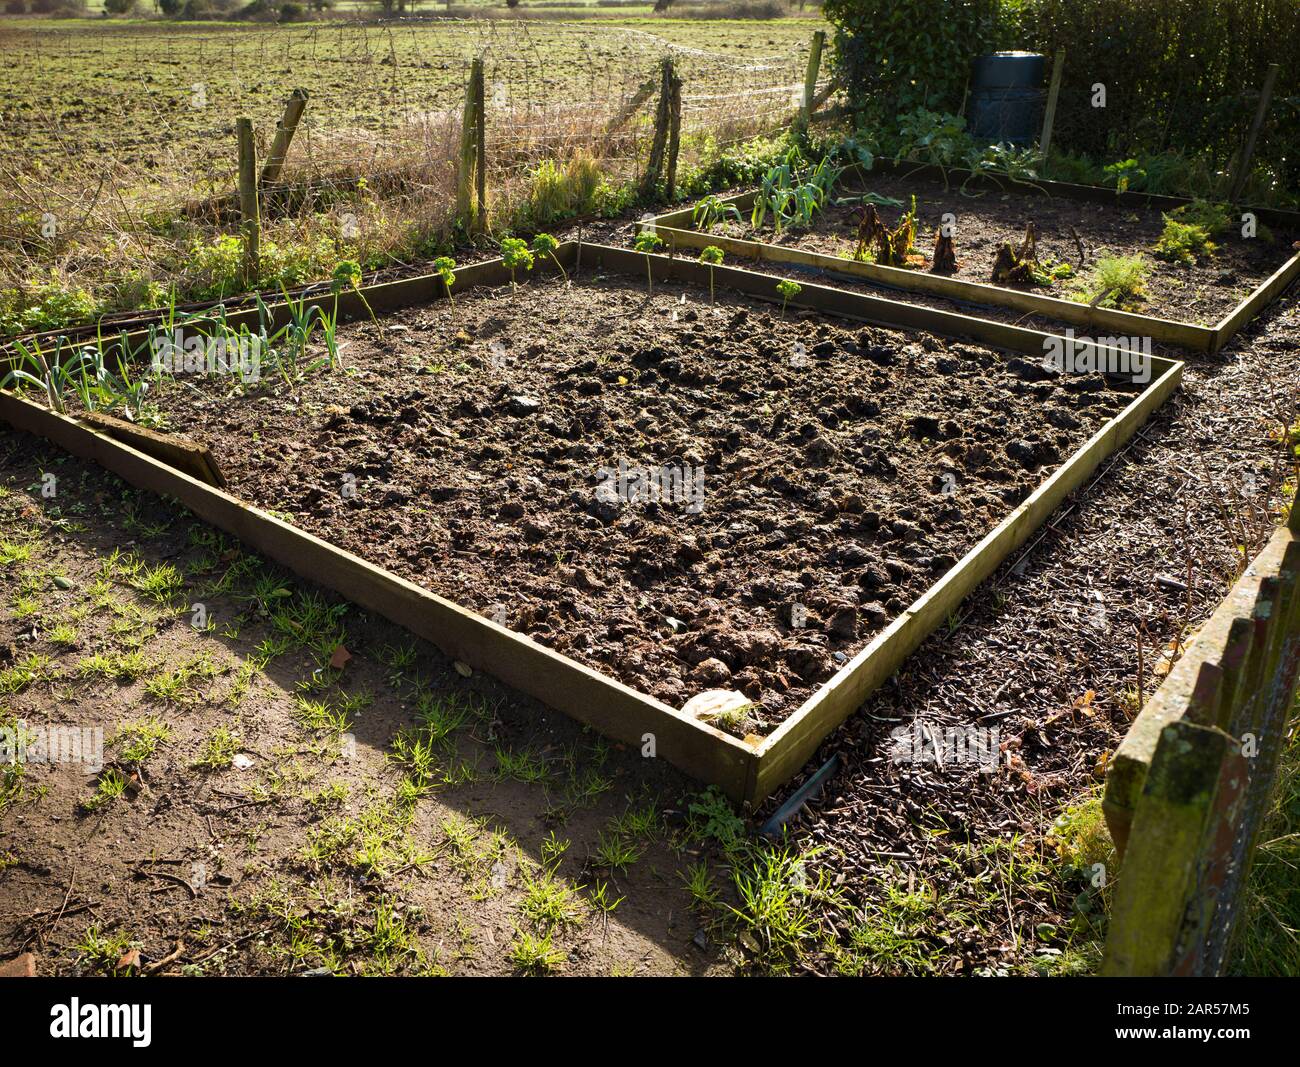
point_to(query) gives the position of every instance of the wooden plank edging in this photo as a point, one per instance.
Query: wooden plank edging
(1125, 323)
(787, 748)
(611, 707)
(744, 772)
(1188, 335)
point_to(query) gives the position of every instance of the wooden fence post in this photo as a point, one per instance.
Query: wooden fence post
(480, 149)
(674, 135)
(663, 119)
(468, 148)
(810, 78)
(284, 132)
(1157, 914)
(251, 223)
(1049, 116)
(1261, 113)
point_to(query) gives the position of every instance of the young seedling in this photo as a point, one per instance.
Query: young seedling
(711, 257)
(787, 289)
(545, 245)
(444, 267)
(347, 275)
(648, 241)
(515, 254)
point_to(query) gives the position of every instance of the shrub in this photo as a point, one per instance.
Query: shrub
(119, 7)
(15, 7)
(292, 12)
(1177, 72)
(1188, 229)
(901, 54)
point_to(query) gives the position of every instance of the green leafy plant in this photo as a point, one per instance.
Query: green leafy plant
(545, 245)
(1188, 230)
(647, 241)
(1116, 281)
(787, 289)
(712, 210)
(711, 257)
(347, 275)
(445, 268)
(515, 254)
(1123, 173)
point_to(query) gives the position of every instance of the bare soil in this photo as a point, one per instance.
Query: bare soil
(844, 470)
(304, 855)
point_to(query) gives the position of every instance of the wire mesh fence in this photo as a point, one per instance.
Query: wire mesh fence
(116, 132)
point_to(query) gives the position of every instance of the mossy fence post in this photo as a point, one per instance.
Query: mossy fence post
(288, 126)
(670, 87)
(250, 219)
(471, 177)
(1219, 724)
(810, 79)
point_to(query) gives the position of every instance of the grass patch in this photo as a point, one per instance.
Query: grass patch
(140, 739)
(218, 750)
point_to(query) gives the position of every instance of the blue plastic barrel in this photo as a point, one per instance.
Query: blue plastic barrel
(1006, 99)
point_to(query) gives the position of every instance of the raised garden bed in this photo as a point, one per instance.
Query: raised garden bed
(1197, 305)
(839, 488)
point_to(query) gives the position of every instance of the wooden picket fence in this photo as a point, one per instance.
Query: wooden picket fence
(1189, 788)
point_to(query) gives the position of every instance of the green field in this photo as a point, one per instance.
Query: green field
(117, 138)
(142, 92)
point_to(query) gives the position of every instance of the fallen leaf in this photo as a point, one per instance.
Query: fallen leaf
(340, 657)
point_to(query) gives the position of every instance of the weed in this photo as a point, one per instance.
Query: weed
(30, 670)
(111, 785)
(1116, 281)
(114, 666)
(777, 900)
(550, 903)
(218, 750)
(140, 739)
(535, 954)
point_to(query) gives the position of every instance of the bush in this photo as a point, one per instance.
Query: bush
(1178, 74)
(896, 55)
(171, 8)
(15, 7)
(292, 12)
(119, 7)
